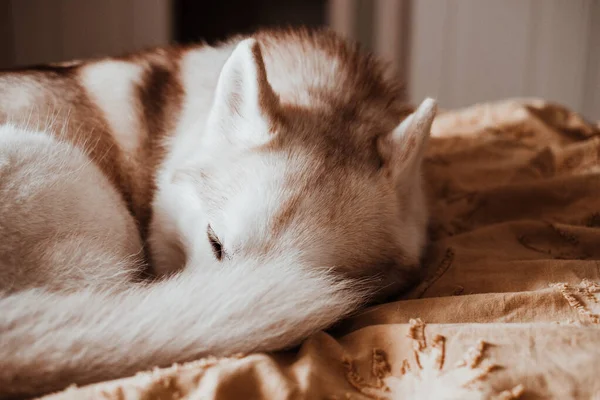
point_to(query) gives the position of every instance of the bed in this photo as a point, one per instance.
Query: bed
(510, 307)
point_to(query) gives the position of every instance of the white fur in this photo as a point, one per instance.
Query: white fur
(112, 86)
(19, 96)
(226, 309)
(171, 196)
(289, 79)
(60, 217)
(198, 97)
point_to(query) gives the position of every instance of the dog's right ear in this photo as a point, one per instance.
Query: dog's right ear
(402, 149)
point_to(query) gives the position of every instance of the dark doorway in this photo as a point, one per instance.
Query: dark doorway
(216, 20)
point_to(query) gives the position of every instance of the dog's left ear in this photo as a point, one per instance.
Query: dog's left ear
(245, 103)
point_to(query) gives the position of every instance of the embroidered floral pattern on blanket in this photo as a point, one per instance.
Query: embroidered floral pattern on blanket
(511, 296)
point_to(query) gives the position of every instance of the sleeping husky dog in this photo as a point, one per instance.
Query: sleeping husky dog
(272, 184)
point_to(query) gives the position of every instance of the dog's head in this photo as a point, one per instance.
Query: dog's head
(322, 184)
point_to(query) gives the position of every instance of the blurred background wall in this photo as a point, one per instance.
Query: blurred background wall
(460, 51)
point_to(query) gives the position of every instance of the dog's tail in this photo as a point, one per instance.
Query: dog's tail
(50, 340)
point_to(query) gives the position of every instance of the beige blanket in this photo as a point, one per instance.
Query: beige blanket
(512, 298)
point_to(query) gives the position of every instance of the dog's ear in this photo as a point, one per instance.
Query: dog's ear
(244, 103)
(402, 149)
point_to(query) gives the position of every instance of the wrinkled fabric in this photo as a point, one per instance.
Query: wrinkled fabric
(509, 307)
